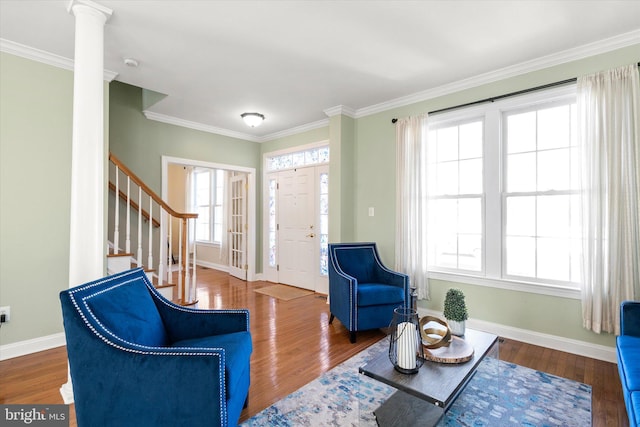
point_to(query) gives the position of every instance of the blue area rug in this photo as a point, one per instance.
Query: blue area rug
(499, 394)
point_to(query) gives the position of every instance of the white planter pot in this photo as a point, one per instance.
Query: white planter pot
(457, 328)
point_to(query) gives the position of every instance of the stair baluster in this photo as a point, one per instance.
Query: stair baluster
(186, 273)
(116, 219)
(127, 237)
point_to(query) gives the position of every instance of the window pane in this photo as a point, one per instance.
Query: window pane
(324, 204)
(521, 216)
(554, 170)
(470, 216)
(553, 259)
(521, 132)
(447, 178)
(311, 156)
(521, 256)
(324, 183)
(554, 125)
(471, 140)
(447, 143)
(298, 159)
(446, 214)
(470, 176)
(446, 250)
(457, 242)
(521, 172)
(470, 252)
(323, 154)
(272, 249)
(553, 216)
(203, 188)
(217, 233)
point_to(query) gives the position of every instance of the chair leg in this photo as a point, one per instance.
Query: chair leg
(352, 337)
(331, 318)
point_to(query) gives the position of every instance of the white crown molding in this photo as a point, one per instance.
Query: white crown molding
(199, 126)
(581, 52)
(568, 345)
(341, 110)
(21, 348)
(44, 57)
(295, 130)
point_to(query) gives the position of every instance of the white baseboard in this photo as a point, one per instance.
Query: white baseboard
(215, 266)
(22, 348)
(581, 348)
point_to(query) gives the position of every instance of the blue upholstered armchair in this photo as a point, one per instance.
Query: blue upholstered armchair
(628, 354)
(136, 359)
(362, 292)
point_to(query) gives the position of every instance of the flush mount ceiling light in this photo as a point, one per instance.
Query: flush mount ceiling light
(252, 119)
(130, 62)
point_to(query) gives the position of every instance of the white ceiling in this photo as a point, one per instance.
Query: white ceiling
(292, 60)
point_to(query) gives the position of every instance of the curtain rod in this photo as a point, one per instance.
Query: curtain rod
(506, 95)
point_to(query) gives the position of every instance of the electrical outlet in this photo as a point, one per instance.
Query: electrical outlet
(7, 312)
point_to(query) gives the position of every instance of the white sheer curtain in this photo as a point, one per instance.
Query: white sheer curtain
(609, 132)
(411, 201)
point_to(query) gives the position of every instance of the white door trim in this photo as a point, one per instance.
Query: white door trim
(251, 200)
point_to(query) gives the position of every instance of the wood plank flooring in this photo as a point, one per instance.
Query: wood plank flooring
(293, 344)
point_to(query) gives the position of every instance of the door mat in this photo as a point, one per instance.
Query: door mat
(284, 292)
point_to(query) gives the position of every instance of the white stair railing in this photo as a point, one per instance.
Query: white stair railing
(158, 232)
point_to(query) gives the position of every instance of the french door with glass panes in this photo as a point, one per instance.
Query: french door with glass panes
(238, 226)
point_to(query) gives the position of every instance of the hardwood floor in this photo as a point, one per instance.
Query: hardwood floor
(293, 344)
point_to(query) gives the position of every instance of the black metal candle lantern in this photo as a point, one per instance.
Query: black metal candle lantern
(405, 343)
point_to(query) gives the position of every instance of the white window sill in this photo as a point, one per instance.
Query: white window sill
(512, 285)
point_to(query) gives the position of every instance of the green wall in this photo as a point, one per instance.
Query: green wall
(375, 183)
(36, 102)
(303, 138)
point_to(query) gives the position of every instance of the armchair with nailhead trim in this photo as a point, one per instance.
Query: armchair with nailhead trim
(137, 359)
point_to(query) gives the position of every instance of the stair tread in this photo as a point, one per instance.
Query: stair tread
(120, 254)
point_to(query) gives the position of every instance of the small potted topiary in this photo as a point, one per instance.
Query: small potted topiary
(455, 311)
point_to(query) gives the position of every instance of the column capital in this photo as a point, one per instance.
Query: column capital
(89, 4)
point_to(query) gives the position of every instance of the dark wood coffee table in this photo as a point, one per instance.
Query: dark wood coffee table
(424, 397)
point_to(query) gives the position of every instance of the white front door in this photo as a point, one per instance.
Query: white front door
(297, 237)
(238, 226)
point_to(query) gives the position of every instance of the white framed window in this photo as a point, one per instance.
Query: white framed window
(208, 200)
(455, 186)
(504, 188)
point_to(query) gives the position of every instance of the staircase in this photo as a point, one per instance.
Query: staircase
(139, 221)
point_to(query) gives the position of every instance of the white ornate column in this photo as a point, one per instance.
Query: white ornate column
(86, 243)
